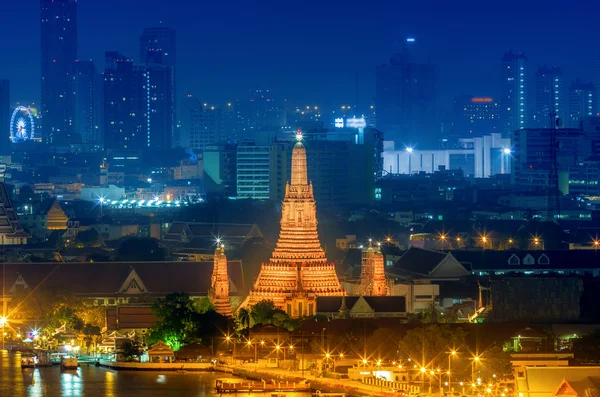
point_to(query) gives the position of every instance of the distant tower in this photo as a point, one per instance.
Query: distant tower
(58, 56)
(372, 275)
(219, 283)
(514, 101)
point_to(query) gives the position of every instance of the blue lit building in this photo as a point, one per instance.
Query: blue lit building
(514, 101)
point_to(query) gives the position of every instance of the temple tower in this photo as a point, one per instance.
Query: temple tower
(298, 270)
(372, 273)
(219, 283)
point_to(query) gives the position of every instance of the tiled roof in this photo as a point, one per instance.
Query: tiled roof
(418, 260)
(106, 278)
(499, 260)
(380, 304)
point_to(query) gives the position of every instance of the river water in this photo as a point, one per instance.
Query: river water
(92, 381)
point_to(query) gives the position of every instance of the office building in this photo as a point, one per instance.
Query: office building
(253, 171)
(475, 116)
(549, 96)
(4, 116)
(342, 172)
(158, 47)
(220, 170)
(479, 157)
(261, 111)
(157, 106)
(89, 86)
(531, 153)
(122, 101)
(205, 125)
(58, 56)
(514, 101)
(406, 96)
(582, 102)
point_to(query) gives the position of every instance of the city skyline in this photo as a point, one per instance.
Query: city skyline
(313, 65)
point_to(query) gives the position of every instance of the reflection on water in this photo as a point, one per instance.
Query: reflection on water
(94, 381)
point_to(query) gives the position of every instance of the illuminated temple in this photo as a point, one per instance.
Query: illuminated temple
(219, 282)
(298, 270)
(373, 281)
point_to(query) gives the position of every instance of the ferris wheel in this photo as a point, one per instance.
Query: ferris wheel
(21, 125)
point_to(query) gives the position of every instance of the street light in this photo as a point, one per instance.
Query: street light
(452, 354)
(409, 150)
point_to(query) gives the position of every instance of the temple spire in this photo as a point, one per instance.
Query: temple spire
(219, 281)
(299, 173)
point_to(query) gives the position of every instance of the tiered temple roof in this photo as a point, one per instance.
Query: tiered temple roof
(219, 283)
(298, 264)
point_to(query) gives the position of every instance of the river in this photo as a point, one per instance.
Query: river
(92, 381)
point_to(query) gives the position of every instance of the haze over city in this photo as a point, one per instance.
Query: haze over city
(299, 199)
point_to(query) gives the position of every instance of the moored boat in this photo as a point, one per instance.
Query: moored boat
(278, 389)
(28, 361)
(69, 362)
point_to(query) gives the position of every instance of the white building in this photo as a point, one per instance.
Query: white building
(479, 157)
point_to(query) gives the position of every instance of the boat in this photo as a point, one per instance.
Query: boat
(277, 389)
(28, 361)
(69, 362)
(43, 359)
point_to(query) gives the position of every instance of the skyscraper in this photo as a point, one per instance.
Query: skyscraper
(122, 101)
(158, 47)
(4, 116)
(88, 102)
(203, 125)
(582, 101)
(260, 112)
(513, 101)
(59, 53)
(157, 106)
(406, 99)
(549, 94)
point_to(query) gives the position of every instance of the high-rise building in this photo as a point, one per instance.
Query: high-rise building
(253, 171)
(122, 101)
(298, 271)
(406, 96)
(549, 95)
(475, 116)
(342, 172)
(205, 126)
(89, 86)
(158, 47)
(157, 109)
(4, 116)
(59, 53)
(261, 111)
(582, 101)
(531, 155)
(514, 101)
(220, 170)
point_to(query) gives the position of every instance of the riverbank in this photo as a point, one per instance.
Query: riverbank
(157, 366)
(322, 385)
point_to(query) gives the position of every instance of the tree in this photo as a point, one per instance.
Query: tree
(495, 361)
(139, 249)
(243, 319)
(88, 238)
(428, 345)
(586, 349)
(132, 349)
(176, 325)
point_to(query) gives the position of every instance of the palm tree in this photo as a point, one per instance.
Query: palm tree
(243, 318)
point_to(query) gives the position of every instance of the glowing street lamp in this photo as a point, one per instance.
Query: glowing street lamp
(409, 150)
(3, 321)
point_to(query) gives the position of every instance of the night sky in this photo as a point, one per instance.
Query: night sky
(310, 51)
